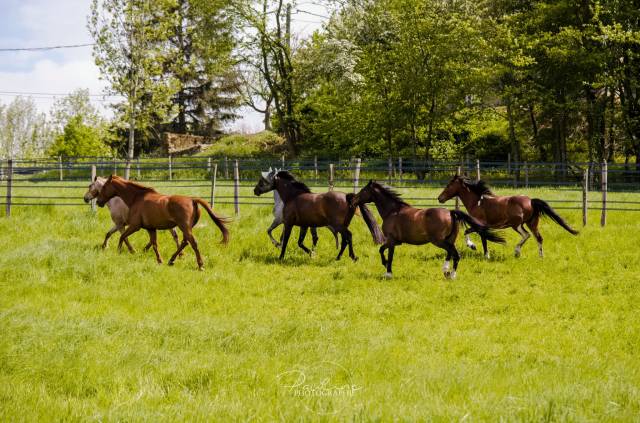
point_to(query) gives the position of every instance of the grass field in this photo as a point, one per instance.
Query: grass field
(88, 334)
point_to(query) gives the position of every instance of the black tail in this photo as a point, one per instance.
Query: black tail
(475, 226)
(541, 208)
(369, 219)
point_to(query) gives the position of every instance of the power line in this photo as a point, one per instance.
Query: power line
(53, 94)
(312, 14)
(46, 48)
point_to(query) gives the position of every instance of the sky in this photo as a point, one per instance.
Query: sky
(38, 23)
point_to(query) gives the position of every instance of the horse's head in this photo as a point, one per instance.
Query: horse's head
(266, 183)
(107, 192)
(452, 189)
(365, 195)
(94, 188)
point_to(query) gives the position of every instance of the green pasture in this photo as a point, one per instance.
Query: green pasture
(88, 334)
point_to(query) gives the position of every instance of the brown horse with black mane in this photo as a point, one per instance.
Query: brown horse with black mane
(150, 210)
(308, 210)
(501, 212)
(403, 224)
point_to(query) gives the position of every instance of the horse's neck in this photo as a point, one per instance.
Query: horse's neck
(127, 193)
(286, 192)
(470, 199)
(386, 207)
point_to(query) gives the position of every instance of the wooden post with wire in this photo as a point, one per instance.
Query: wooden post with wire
(170, 167)
(356, 176)
(213, 184)
(478, 169)
(236, 187)
(138, 168)
(457, 199)
(526, 175)
(585, 192)
(400, 168)
(9, 187)
(331, 177)
(60, 167)
(603, 216)
(390, 169)
(315, 168)
(93, 178)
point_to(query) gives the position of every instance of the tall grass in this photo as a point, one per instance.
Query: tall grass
(89, 334)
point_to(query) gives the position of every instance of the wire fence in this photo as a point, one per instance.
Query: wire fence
(225, 180)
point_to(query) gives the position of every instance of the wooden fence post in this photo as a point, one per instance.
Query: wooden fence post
(93, 178)
(508, 163)
(330, 176)
(526, 175)
(226, 167)
(585, 191)
(283, 161)
(60, 167)
(390, 169)
(356, 176)
(9, 186)
(1, 170)
(478, 169)
(115, 166)
(315, 168)
(208, 164)
(457, 199)
(213, 183)
(603, 216)
(170, 167)
(236, 187)
(138, 168)
(400, 168)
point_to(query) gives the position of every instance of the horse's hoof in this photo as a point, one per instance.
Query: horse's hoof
(354, 258)
(201, 268)
(388, 275)
(170, 263)
(487, 256)
(517, 253)
(452, 274)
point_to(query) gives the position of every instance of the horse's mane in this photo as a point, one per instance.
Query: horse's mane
(390, 193)
(136, 185)
(479, 187)
(299, 186)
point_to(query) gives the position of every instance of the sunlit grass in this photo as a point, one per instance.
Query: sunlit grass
(92, 334)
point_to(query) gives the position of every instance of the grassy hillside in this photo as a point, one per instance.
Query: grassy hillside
(96, 335)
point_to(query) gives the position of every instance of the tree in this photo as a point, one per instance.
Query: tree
(78, 139)
(24, 131)
(130, 37)
(77, 103)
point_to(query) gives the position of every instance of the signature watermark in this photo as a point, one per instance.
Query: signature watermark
(324, 380)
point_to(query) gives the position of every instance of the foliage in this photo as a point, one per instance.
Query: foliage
(264, 143)
(78, 139)
(24, 131)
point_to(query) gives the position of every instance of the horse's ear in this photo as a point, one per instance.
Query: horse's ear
(110, 178)
(370, 182)
(95, 178)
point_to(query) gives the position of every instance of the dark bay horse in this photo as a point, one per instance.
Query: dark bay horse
(501, 212)
(305, 209)
(402, 223)
(150, 210)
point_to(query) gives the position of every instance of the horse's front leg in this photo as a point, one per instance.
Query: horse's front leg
(285, 239)
(108, 235)
(314, 237)
(389, 273)
(274, 224)
(123, 237)
(153, 240)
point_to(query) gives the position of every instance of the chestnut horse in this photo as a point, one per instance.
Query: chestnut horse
(119, 214)
(402, 223)
(501, 212)
(306, 209)
(150, 210)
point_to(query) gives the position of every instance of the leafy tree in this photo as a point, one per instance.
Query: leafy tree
(78, 139)
(24, 131)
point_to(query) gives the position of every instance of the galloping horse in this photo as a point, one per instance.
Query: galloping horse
(306, 209)
(402, 223)
(119, 214)
(278, 218)
(501, 212)
(151, 210)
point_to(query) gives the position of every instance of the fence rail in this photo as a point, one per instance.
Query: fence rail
(216, 173)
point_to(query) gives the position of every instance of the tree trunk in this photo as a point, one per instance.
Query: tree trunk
(131, 149)
(513, 140)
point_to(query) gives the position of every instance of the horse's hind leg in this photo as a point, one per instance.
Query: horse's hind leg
(343, 237)
(301, 237)
(470, 244)
(389, 273)
(452, 252)
(525, 236)
(153, 240)
(533, 225)
(382, 257)
(314, 237)
(350, 241)
(194, 245)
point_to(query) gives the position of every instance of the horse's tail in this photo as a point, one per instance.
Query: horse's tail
(369, 219)
(218, 220)
(476, 226)
(542, 208)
